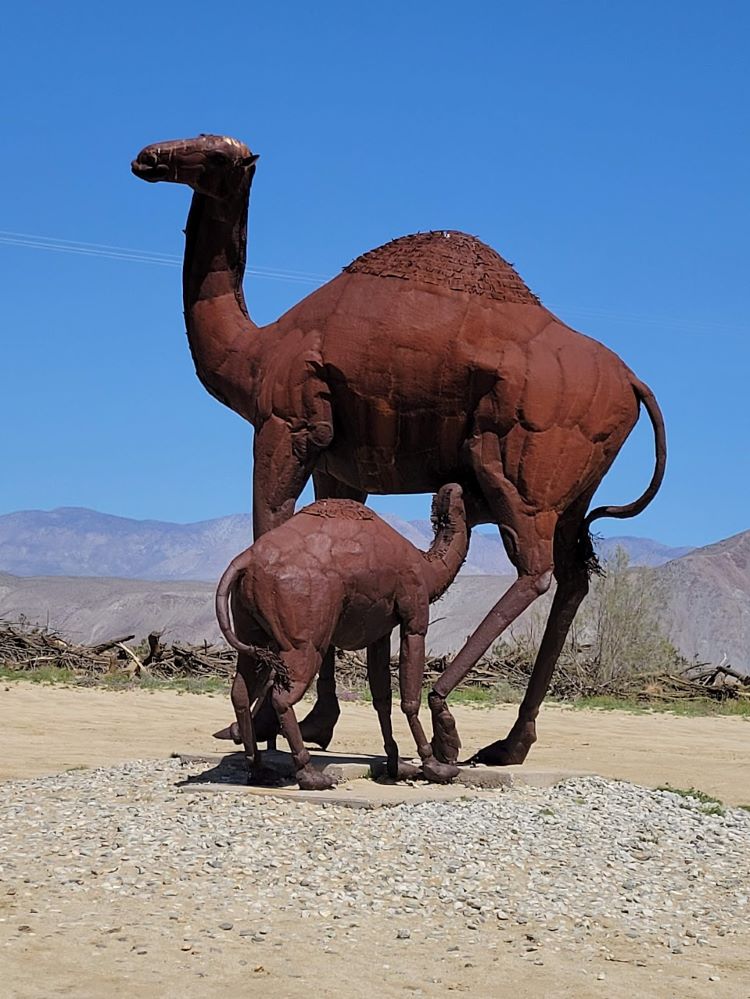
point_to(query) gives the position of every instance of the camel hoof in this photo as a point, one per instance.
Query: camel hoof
(318, 731)
(501, 754)
(230, 732)
(403, 771)
(446, 741)
(439, 773)
(320, 739)
(313, 780)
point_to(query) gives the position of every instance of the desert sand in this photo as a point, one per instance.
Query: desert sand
(50, 729)
(47, 729)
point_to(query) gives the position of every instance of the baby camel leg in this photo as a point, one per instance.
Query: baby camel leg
(243, 694)
(411, 676)
(302, 664)
(379, 677)
(265, 722)
(318, 725)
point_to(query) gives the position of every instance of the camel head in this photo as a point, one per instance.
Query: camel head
(448, 509)
(214, 165)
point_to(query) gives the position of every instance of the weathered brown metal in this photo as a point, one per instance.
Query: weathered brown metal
(336, 574)
(426, 361)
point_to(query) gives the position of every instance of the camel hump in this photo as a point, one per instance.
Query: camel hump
(341, 509)
(450, 259)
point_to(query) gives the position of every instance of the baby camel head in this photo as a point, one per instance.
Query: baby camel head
(214, 165)
(448, 510)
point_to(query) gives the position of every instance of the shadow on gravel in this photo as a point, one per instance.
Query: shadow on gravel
(230, 770)
(279, 768)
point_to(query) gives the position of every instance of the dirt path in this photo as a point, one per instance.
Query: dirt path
(133, 948)
(46, 729)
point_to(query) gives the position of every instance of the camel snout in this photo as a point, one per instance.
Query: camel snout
(146, 166)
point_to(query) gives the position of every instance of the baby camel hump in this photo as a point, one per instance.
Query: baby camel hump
(331, 573)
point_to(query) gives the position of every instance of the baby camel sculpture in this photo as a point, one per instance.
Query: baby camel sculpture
(337, 573)
(426, 361)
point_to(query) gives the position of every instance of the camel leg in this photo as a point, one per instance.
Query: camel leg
(379, 678)
(327, 487)
(411, 676)
(242, 704)
(301, 664)
(265, 722)
(318, 725)
(517, 598)
(283, 461)
(572, 587)
(243, 695)
(528, 537)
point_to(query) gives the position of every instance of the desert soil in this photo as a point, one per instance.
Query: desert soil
(82, 913)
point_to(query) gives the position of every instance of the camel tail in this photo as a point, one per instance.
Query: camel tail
(646, 396)
(266, 662)
(223, 592)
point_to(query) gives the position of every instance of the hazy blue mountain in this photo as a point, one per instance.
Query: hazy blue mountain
(74, 541)
(488, 555)
(706, 605)
(642, 551)
(148, 575)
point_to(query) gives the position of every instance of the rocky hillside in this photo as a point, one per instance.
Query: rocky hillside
(707, 595)
(96, 609)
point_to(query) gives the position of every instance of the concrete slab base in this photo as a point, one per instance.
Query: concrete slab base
(360, 780)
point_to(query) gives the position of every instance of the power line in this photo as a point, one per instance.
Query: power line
(85, 251)
(106, 251)
(76, 242)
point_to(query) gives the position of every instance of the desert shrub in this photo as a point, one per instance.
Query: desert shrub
(616, 645)
(617, 628)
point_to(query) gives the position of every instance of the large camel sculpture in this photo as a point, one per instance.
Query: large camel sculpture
(426, 361)
(335, 573)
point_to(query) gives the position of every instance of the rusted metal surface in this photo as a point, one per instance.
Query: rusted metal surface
(425, 362)
(336, 574)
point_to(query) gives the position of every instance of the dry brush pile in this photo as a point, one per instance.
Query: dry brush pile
(29, 649)
(615, 649)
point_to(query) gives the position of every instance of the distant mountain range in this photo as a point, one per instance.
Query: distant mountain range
(74, 541)
(156, 575)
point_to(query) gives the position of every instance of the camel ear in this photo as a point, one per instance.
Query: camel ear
(250, 160)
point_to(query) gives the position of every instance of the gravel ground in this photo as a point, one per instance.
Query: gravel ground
(588, 862)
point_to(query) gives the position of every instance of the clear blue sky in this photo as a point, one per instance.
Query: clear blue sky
(602, 148)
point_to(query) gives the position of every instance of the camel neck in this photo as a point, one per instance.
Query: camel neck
(446, 555)
(222, 337)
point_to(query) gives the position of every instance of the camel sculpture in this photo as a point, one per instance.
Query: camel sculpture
(426, 361)
(335, 573)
